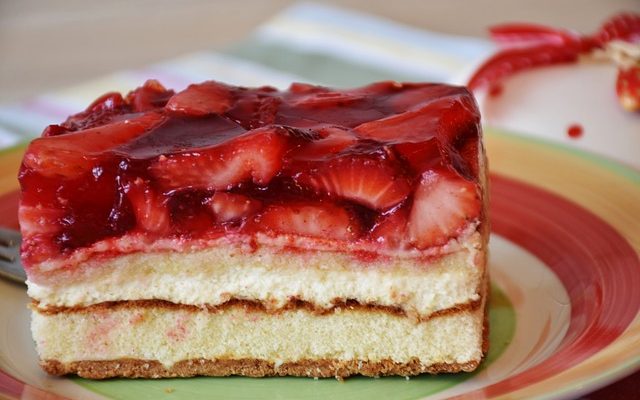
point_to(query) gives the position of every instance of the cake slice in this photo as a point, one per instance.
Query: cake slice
(226, 230)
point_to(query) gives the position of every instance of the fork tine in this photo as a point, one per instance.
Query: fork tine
(10, 266)
(7, 257)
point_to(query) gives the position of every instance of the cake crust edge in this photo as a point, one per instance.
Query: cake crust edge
(323, 368)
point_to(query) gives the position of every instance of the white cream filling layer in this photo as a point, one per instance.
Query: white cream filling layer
(215, 275)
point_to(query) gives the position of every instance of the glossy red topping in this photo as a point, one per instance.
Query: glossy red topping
(395, 165)
(313, 219)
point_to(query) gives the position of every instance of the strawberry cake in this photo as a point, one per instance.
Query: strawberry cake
(226, 230)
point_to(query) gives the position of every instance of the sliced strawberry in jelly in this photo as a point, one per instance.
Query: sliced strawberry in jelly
(54, 130)
(255, 110)
(322, 220)
(390, 229)
(37, 248)
(414, 96)
(202, 99)
(150, 96)
(149, 207)
(302, 94)
(102, 111)
(421, 156)
(328, 99)
(443, 204)
(459, 139)
(108, 101)
(411, 126)
(266, 112)
(191, 214)
(332, 140)
(318, 106)
(74, 154)
(306, 88)
(214, 159)
(307, 105)
(229, 207)
(179, 134)
(39, 219)
(374, 182)
(255, 156)
(431, 135)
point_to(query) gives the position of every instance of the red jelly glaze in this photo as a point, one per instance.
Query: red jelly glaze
(152, 161)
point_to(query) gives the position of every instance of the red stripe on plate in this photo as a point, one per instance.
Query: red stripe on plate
(598, 267)
(10, 386)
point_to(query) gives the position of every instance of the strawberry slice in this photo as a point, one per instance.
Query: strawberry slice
(443, 204)
(415, 96)
(266, 112)
(100, 112)
(108, 101)
(305, 95)
(39, 225)
(255, 110)
(628, 87)
(327, 98)
(415, 125)
(54, 130)
(323, 220)
(39, 220)
(202, 99)
(332, 141)
(256, 155)
(421, 156)
(372, 182)
(231, 206)
(305, 88)
(390, 230)
(150, 208)
(149, 96)
(75, 153)
(459, 140)
(433, 134)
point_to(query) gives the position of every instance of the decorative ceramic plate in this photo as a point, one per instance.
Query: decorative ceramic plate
(564, 309)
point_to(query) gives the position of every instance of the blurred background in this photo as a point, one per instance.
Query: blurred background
(46, 45)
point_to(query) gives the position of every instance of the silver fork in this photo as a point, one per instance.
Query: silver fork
(10, 266)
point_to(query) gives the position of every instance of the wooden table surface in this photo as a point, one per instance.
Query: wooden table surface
(46, 45)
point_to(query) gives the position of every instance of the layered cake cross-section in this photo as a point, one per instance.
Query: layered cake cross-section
(225, 230)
